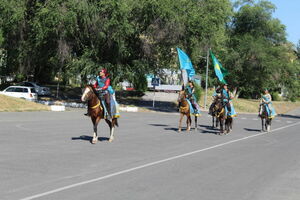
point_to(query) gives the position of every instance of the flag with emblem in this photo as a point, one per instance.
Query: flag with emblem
(219, 70)
(185, 63)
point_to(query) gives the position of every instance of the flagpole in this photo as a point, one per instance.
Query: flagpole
(206, 79)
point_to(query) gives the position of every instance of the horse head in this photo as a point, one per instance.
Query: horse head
(219, 106)
(87, 94)
(264, 112)
(181, 96)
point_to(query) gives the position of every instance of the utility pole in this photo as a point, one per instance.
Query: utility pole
(206, 79)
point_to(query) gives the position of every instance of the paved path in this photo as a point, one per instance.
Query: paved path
(47, 155)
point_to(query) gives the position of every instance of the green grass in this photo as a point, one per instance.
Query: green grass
(12, 104)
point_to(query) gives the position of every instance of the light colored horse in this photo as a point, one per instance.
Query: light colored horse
(184, 110)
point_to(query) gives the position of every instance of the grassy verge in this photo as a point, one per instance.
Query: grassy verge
(251, 106)
(11, 104)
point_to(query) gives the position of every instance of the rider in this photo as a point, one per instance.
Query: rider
(190, 90)
(226, 97)
(102, 86)
(267, 100)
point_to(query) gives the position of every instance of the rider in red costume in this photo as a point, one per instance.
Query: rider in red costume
(104, 89)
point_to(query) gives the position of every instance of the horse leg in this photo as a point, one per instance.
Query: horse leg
(196, 123)
(95, 125)
(188, 122)
(266, 124)
(217, 122)
(180, 120)
(262, 124)
(226, 125)
(269, 125)
(111, 129)
(213, 121)
(221, 126)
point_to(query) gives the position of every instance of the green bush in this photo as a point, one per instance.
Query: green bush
(198, 91)
(276, 96)
(140, 83)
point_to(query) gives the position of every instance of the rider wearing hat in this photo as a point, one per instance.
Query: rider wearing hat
(190, 90)
(226, 97)
(267, 101)
(102, 85)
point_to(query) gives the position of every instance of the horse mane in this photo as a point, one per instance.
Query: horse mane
(92, 88)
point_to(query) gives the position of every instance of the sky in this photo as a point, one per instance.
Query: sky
(288, 12)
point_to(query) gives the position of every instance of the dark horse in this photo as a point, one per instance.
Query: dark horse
(184, 110)
(265, 118)
(222, 118)
(96, 112)
(213, 112)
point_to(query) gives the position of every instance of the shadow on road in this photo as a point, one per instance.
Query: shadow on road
(89, 138)
(252, 130)
(289, 116)
(158, 125)
(207, 129)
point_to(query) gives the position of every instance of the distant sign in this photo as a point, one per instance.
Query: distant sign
(155, 82)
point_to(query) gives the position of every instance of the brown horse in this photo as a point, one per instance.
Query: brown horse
(184, 110)
(222, 118)
(213, 112)
(96, 111)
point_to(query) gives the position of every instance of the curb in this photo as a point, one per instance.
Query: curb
(57, 108)
(61, 106)
(129, 109)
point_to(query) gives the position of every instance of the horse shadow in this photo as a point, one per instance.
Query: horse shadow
(289, 116)
(168, 128)
(252, 130)
(209, 130)
(89, 138)
(158, 125)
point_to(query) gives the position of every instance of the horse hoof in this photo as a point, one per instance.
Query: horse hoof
(94, 140)
(111, 139)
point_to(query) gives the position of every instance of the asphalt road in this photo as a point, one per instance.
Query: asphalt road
(48, 155)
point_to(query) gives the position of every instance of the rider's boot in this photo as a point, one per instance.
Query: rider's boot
(87, 113)
(108, 111)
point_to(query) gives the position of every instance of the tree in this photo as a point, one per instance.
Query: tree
(256, 49)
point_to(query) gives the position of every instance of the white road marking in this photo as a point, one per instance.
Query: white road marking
(289, 122)
(243, 118)
(150, 164)
(255, 119)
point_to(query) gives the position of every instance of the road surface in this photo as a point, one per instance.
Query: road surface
(48, 155)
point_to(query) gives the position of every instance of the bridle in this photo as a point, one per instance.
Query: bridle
(86, 96)
(181, 96)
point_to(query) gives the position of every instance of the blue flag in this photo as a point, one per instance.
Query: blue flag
(185, 63)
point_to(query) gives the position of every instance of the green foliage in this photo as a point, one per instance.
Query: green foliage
(73, 39)
(275, 96)
(198, 91)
